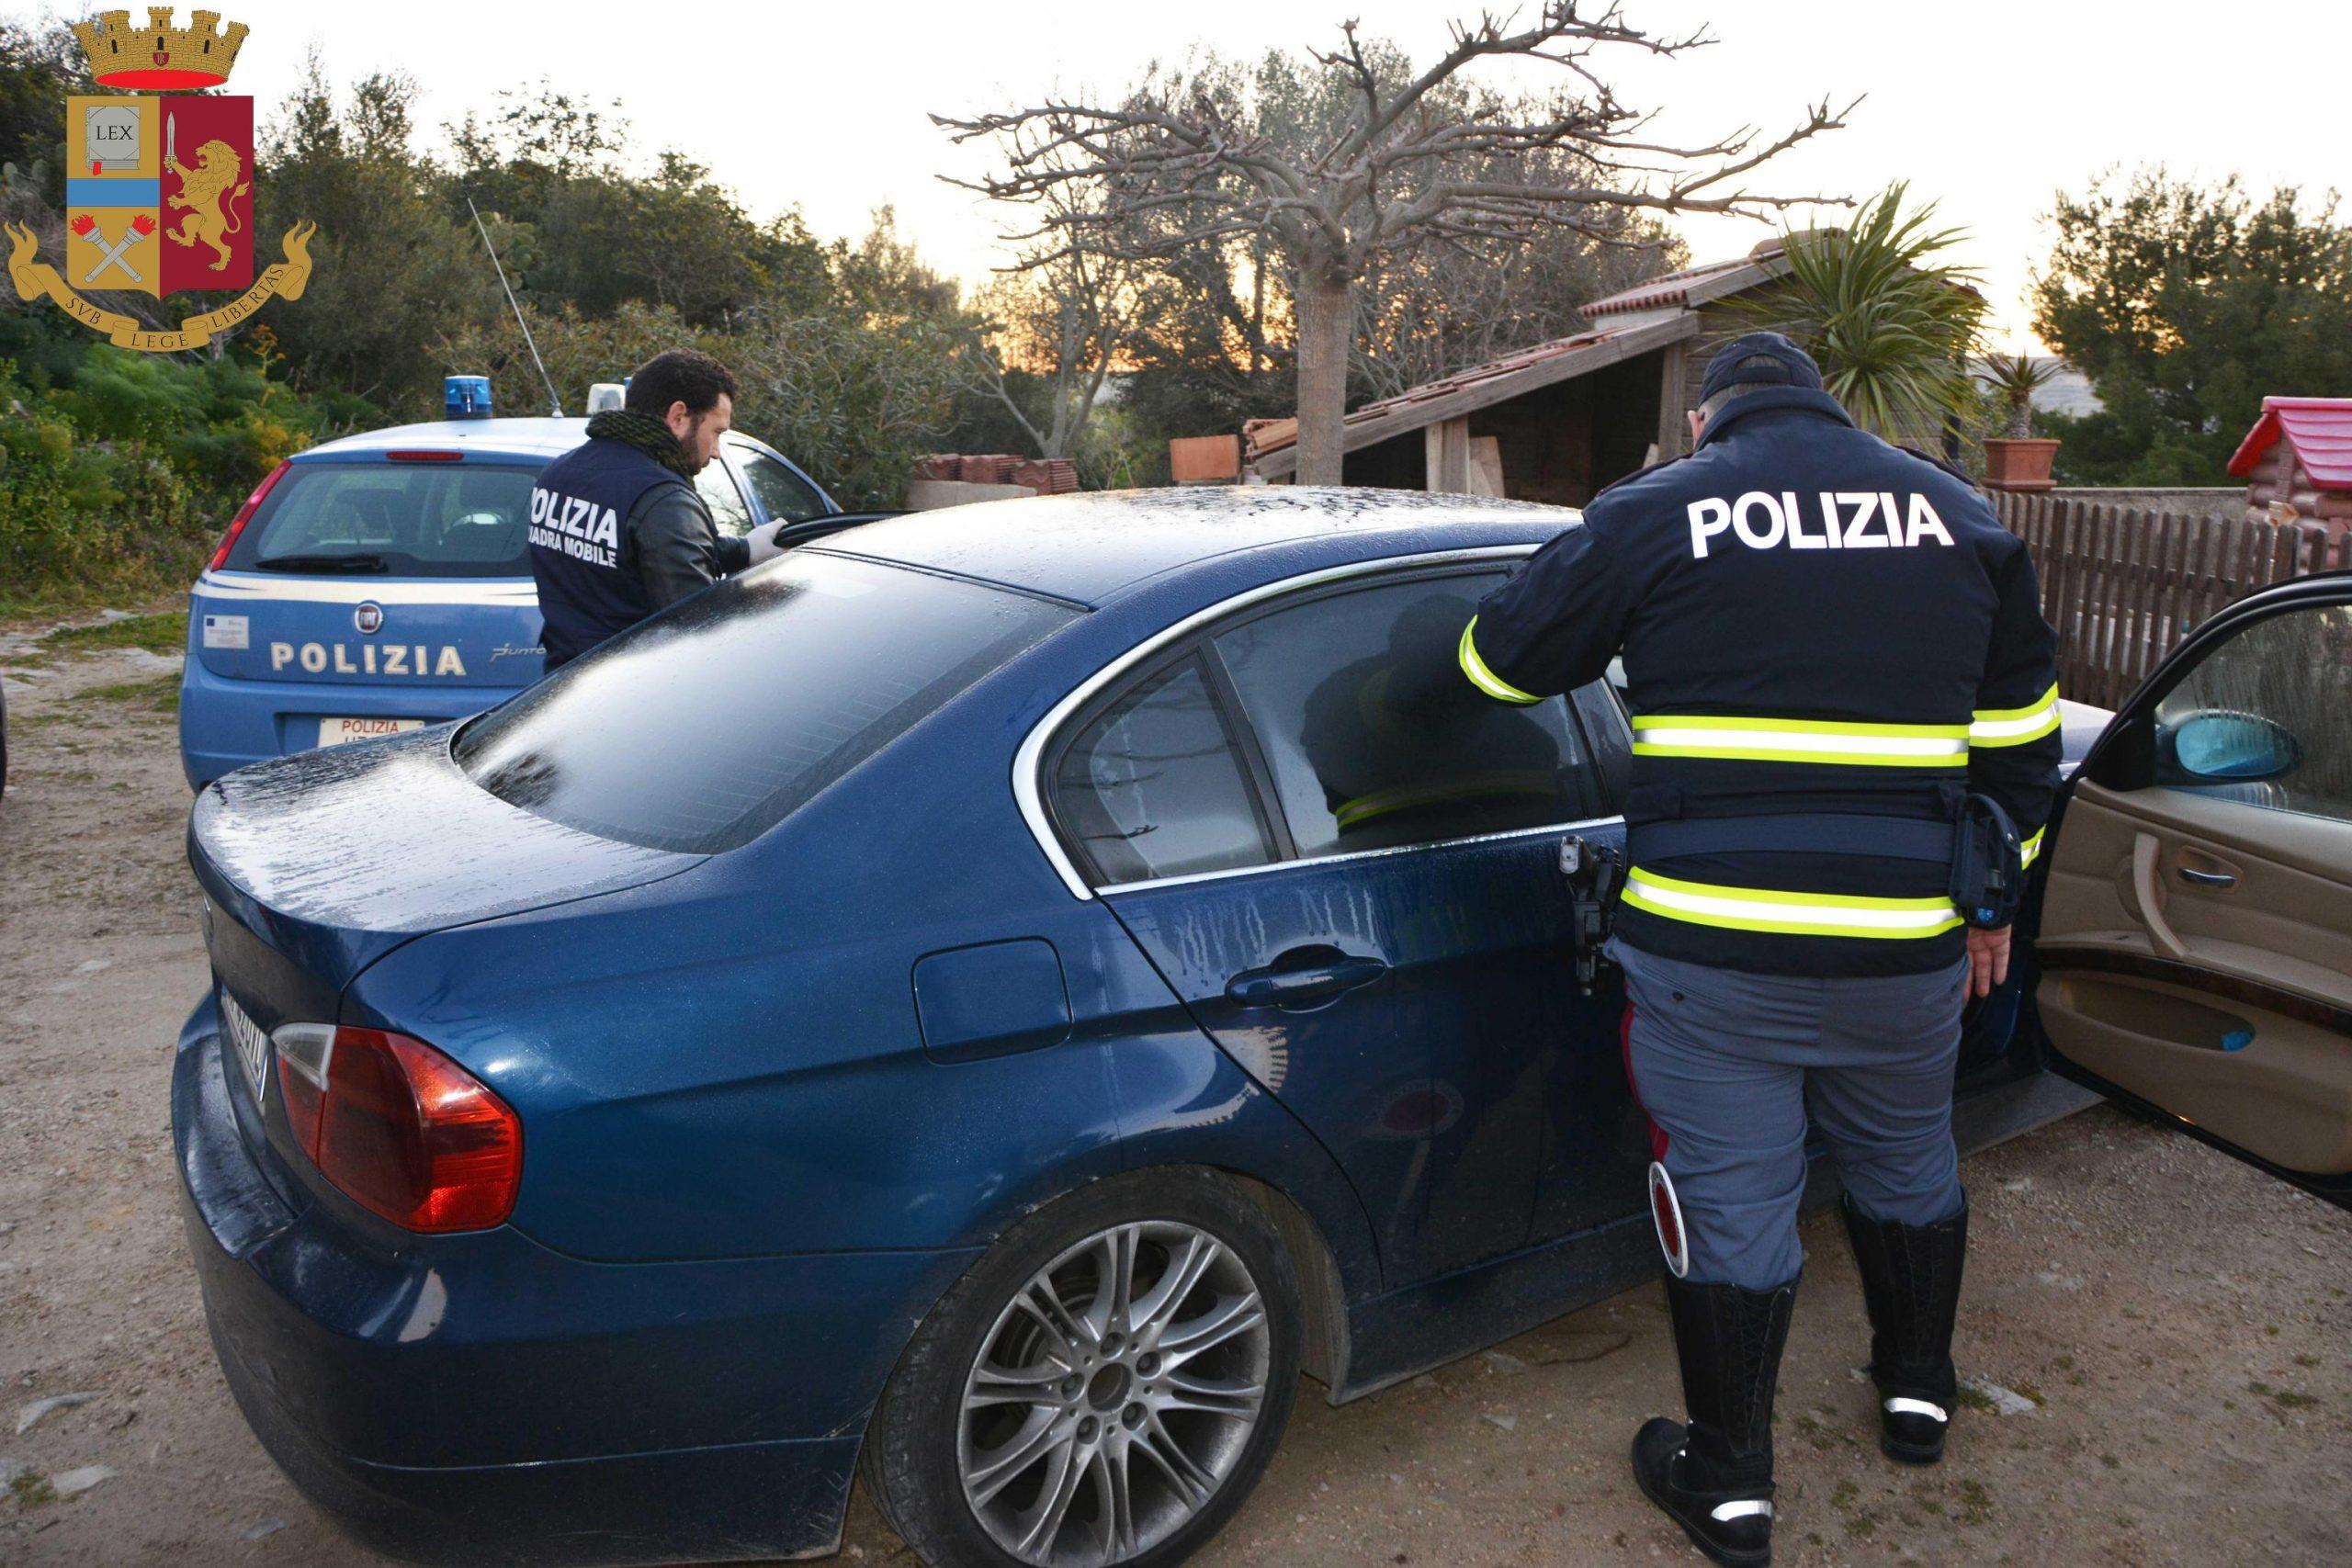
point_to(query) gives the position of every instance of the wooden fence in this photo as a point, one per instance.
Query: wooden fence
(2123, 586)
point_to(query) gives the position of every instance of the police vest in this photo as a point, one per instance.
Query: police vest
(1816, 628)
(589, 587)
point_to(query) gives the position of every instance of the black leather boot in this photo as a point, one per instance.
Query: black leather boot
(1911, 1284)
(1713, 1477)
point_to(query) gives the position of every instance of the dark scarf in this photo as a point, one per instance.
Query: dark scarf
(645, 433)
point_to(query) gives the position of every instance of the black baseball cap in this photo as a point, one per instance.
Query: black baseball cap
(1759, 357)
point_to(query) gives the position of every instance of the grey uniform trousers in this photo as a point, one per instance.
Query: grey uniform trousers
(1726, 1064)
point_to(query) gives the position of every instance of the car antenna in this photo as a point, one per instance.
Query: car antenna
(555, 402)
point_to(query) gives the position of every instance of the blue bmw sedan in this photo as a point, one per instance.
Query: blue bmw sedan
(990, 997)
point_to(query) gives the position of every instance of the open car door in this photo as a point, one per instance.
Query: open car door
(2195, 932)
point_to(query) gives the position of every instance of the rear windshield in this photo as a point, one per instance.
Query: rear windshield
(392, 519)
(703, 728)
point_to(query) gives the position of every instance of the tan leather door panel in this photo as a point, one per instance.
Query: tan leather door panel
(2224, 995)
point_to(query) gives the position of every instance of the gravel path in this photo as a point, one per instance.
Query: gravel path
(2171, 1332)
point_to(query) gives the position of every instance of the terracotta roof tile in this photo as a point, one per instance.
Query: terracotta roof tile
(1264, 435)
(1673, 288)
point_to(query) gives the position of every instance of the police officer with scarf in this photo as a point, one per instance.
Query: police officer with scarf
(618, 530)
(1846, 745)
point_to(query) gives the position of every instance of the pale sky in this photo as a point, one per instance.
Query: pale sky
(1987, 107)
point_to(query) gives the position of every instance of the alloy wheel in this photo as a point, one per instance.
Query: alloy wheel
(1113, 1395)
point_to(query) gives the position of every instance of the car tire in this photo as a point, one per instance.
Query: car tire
(951, 1479)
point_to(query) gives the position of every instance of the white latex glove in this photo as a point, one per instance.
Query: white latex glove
(763, 542)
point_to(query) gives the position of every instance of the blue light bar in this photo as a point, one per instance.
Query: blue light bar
(465, 396)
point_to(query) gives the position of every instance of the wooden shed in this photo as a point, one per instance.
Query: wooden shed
(1558, 421)
(2297, 462)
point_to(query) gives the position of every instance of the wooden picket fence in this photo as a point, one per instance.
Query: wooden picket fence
(2123, 586)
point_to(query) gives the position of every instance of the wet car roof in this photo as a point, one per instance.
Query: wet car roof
(1089, 547)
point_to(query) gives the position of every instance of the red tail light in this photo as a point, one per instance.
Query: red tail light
(399, 1127)
(245, 515)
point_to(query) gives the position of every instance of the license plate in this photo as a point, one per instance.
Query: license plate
(252, 1044)
(337, 731)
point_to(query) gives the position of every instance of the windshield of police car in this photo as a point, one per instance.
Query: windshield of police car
(702, 729)
(392, 519)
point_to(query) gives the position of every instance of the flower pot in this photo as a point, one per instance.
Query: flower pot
(2014, 464)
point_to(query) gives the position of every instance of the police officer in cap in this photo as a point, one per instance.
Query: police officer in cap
(1846, 744)
(618, 529)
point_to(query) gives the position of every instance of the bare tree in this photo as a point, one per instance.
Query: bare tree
(1065, 320)
(1443, 307)
(1389, 160)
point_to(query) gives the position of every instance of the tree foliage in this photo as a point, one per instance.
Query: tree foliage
(2185, 305)
(1891, 322)
(39, 66)
(115, 465)
(601, 236)
(391, 269)
(857, 387)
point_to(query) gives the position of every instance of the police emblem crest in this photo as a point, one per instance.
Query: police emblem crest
(159, 189)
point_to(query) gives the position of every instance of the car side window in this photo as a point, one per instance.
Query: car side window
(2267, 718)
(1374, 737)
(1610, 735)
(728, 513)
(1153, 787)
(784, 495)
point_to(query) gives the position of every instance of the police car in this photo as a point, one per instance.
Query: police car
(380, 582)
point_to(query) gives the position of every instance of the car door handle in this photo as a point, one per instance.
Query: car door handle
(2206, 878)
(2145, 851)
(1289, 982)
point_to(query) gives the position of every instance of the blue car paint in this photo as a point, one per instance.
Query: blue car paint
(489, 1389)
(466, 643)
(1427, 1084)
(730, 1111)
(991, 999)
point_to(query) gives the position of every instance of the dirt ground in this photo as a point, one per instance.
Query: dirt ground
(2173, 1332)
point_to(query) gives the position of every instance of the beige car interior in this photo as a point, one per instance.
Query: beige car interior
(2197, 950)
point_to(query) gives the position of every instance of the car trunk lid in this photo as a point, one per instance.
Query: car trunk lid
(313, 866)
(327, 860)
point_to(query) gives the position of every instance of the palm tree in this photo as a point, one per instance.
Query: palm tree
(1890, 325)
(2014, 378)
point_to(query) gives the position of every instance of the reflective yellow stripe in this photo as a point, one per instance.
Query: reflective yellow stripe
(2015, 727)
(2032, 846)
(1485, 679)
(1836, 741)
(2033, 709)
(1788, 914)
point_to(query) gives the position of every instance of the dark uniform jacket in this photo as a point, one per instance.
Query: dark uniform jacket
(615, 536)
(1812, 621)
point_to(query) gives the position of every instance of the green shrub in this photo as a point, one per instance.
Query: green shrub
(118, 469)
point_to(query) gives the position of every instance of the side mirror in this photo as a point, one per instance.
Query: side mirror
(2239, 748)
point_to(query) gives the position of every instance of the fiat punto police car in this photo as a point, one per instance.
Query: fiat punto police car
(380, 582)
